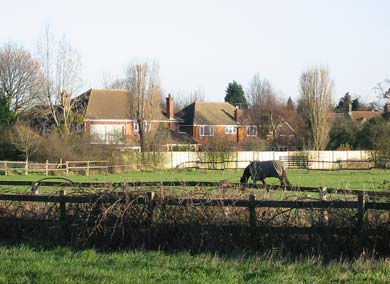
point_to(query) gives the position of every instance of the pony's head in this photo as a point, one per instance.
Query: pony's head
(243, 179)
(245, 175)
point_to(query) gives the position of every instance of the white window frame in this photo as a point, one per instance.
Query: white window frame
(107, 136)
(231, 129)
(250, 133)
(210, 131)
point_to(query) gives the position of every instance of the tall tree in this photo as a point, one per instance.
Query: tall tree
(265, 108)
(316, 88)
(61, 66)
(356, 105)
(344, 103)
(19, 82)
(260, 92)
(235, 94)
(290, 104)
(142, 80)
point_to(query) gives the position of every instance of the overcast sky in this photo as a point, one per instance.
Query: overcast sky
(207, 44)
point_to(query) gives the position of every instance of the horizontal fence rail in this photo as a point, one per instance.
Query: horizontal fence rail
(26, 167)
(69, 183)
(108, 198)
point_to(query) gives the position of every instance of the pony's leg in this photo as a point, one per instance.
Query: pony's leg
(265, 185)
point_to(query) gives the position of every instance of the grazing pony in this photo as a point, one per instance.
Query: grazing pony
(260, 170)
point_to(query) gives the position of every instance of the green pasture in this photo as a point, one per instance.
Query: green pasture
(346, 179)
(25, 264)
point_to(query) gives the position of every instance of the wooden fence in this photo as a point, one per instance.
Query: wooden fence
(26, 167)
(151, 200)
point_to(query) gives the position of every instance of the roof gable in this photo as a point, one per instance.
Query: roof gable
(108, 104)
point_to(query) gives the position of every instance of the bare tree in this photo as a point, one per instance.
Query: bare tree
(110, 82)
(61, 66)
(260, 92)
(316, 88)
(383, 89)
(182, 100)
(266, 108)
(24, 139)
(19, 80)
(142, 80)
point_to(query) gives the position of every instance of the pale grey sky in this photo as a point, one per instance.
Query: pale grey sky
(205, 44)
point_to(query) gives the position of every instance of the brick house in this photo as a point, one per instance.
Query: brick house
(283, 138)
(360, 116)
(108, 119)
(206, 120)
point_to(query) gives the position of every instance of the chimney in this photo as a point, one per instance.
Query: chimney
(170, 107)
(236, 117)
(66, 101)
(348, 108)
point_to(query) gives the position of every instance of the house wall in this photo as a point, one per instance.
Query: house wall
(219, 131)
(131, 136)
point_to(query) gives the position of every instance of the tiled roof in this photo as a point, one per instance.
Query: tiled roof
(208, 113)
(112, 104)
(363, 115)
(108, 104)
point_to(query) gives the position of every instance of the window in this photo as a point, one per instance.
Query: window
(107, 134)
(147, 126)
(231, 129)
(206, 130)
(251, 131)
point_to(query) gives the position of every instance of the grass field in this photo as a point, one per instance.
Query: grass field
(24, 264)
(361, 179)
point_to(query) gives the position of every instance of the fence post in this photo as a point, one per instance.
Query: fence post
(47, 167)
(26, 168)
(150, 199)
(252, 222)
(63, 216)
(150, 196)
(252, 211)
(87, 173)
(5, 168)
(361, 226)
(324, 212)
(361, 210)
(67, 168)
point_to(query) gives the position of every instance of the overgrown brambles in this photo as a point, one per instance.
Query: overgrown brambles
(130, 219)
